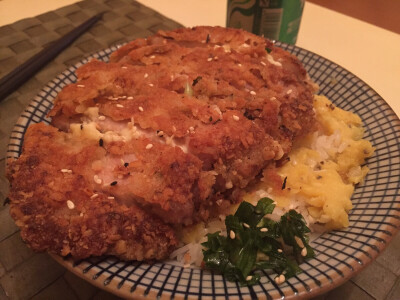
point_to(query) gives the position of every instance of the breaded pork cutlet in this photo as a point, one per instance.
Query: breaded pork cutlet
(230, 98)
(58, 207)
(178, 124)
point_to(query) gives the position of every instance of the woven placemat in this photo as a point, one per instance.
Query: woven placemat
(123, 20)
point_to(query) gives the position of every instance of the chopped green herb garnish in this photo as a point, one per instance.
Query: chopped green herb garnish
(268, 49)
(254, 243)
(196, 80)
(284, 183)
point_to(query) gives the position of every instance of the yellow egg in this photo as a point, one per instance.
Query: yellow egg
(325, 165)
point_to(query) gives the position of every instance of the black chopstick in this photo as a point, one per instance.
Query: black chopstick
(22, 73)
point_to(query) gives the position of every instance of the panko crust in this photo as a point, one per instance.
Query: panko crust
(95, 225)
(179, 123)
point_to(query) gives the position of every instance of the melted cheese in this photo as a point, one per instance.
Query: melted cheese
(125, 132)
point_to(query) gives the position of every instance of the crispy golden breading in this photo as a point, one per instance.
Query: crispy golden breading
(171, 126)
(60, 210)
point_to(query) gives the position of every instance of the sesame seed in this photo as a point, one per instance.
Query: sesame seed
(249, 278)
(280, 250)
(130, 98)
(209, 59)
(289, 92)
(152, 57)
(216, 57)
(122, 161)
(299, 241)
(239, 65)
(124, 67)
(304, 252)
(246, 225)
(272, 98)
(150, 84)
(102, 118)
(115, 98)
(146, 75)
(81, 214)
(97, 179)
(94, 196)
(120, 105)
(111, 198)
(232, 234)
(113, 183)
(140, 108)
(123, 97)
(253, 93)
(191, 128)
(264, 229)
(229, 185)
(160, 133)
(219, 202)
(282, 278)
(70, 204)
(80, 85)
(66, 171)
(263, 63)
(235, 117)
(149, 146)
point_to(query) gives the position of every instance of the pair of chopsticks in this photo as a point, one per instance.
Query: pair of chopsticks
(22, 73)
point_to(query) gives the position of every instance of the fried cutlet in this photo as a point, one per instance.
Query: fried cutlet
(173, 126)
(59, 208)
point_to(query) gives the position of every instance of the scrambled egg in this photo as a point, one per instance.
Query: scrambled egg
(325, 166)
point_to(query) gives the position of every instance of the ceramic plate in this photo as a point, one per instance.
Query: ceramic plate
(339, 255)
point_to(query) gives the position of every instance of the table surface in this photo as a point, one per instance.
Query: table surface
(368, 51)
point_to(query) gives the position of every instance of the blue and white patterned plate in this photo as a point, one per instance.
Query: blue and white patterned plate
(374, 219)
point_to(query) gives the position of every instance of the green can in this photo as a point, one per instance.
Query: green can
(275, 19)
